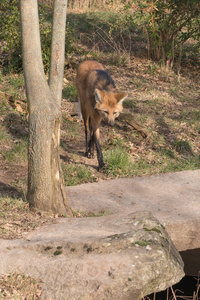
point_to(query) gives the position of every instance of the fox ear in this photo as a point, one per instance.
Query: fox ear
(121, 97)
(97, 94)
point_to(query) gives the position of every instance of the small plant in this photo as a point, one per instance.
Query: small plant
(118, 162)
(183, 147)
(129, 103)
(71, 128)
(76, 174)
(81, 214)
(167, 152)
(119, 57)
(191, 116)
(152, 68)
(17, 153)
(16, 81)
(187, 163)
(70, 92)
(4, 134)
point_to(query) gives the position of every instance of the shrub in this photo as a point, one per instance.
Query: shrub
(10, 35)
(168, 24)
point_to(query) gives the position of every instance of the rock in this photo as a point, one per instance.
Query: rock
(173, 199)
(112, 257)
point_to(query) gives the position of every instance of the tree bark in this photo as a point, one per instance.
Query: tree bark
(45, 181)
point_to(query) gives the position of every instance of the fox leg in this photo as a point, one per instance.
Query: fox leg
(86, 139)
(89, 152)
(98, 147)
(87, 130)
(95, 139)
(91, 142)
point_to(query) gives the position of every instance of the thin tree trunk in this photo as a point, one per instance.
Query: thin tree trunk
(45, 183)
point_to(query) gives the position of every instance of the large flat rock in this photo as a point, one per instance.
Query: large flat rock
(123, 257)
(174, 199)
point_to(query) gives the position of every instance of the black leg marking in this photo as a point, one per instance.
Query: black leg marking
(91, 141)
(99, 154)
(86, 142)
(91, 146)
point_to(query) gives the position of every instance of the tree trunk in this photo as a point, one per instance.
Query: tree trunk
(45, 181)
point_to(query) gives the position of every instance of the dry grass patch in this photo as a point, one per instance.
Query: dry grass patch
(16, 218)
(17, 286)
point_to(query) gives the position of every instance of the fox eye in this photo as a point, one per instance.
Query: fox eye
(115, 112)
(105, 112)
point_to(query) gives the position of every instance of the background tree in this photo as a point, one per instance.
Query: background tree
(46, 189)
(168, 25)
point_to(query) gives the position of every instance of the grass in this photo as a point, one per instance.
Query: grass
(12, 150)
(4, 107)
(129, 103)
(13, 85)
(118, 163)
(18, 152)
(77, 174)
(192, 117)
(81, 214)
(101, 31)
(16, 217)
(16, 81)
(4, 135)
(71, 127)
(167, 107)
(182, 146)
(70, 92)
(19, 286)
(11, 211)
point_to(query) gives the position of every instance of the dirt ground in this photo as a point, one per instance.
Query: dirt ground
(12, 173)
(153, 98)
(129, 79)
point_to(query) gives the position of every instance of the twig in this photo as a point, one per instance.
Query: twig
(128, 118)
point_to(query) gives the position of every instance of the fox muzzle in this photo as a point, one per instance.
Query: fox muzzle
(111, 123)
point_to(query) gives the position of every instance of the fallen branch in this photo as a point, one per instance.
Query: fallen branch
(128, 118)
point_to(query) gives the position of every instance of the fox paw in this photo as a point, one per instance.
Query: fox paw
(89, 155)
(101, 166)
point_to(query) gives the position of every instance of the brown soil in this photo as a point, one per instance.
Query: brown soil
(143, 88)
(12, 173)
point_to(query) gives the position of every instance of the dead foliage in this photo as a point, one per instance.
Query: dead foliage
(19, 286)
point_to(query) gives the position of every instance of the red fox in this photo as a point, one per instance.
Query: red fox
(98, 100)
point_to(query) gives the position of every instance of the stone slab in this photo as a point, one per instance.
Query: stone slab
(112, 257)
(173, 198)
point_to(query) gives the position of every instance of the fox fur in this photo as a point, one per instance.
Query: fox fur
(98, 100)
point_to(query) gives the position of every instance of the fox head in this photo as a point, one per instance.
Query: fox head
(109, 104)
